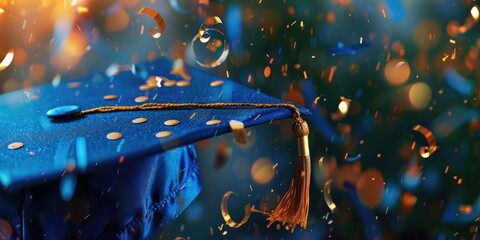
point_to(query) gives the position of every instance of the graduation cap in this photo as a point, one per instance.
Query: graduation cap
(111, 155)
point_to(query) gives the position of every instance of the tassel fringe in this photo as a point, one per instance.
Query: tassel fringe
(292, 210)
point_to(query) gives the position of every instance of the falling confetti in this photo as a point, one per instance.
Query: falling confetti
(155, 32)
(205, 35)
(226, 215)
(239, 133)
(426, 151)
(7, 60)
(327, 196)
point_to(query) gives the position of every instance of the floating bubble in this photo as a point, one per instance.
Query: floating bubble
(211, 53)
(68, 185)
(203, 34)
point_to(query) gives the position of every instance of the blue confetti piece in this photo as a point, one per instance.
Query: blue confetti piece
(176, 6)
(233, 24)
(395, 9)
(371, 228)
(81, 150)
(341, 49)
(444, 124)
(454, 215)
(119, 147)
(354, 159)
(458, 83)
(139, 72)
(68, 185)
(4, 179)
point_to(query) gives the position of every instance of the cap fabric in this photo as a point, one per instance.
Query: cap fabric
(118, 174)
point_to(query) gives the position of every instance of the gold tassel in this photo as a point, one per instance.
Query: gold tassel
(293, 208)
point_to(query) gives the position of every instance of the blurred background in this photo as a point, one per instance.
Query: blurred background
(392, 86)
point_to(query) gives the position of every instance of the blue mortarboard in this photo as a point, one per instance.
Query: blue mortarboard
(111, 156)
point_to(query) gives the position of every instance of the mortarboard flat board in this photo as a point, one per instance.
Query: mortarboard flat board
(71, 168)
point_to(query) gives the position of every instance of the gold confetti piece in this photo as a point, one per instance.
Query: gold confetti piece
(155, 32)
(239, 133)
(163, 134)
(216, 83)
(171, 122)
(139, 120)
(110, 97)
(168, 83)
(343, 106)
(141, 99)
(183, 83)
(226, 215)
(154, 81)
(146, 87)
(73, 84)
(327, 197)
(82, 10)
(214, 122)
(7, 60)
(475, 12)
(114, 136)
(15, 145)
(426, 151)
(203, 34)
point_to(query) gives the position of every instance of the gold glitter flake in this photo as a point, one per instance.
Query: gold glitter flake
(15, 145)
(163, 134)
(139, 120)
(114, 136)
(183, 83)
(216, 83)
(214, 122)
(171, 122)
(141, 99)
(110, 97)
